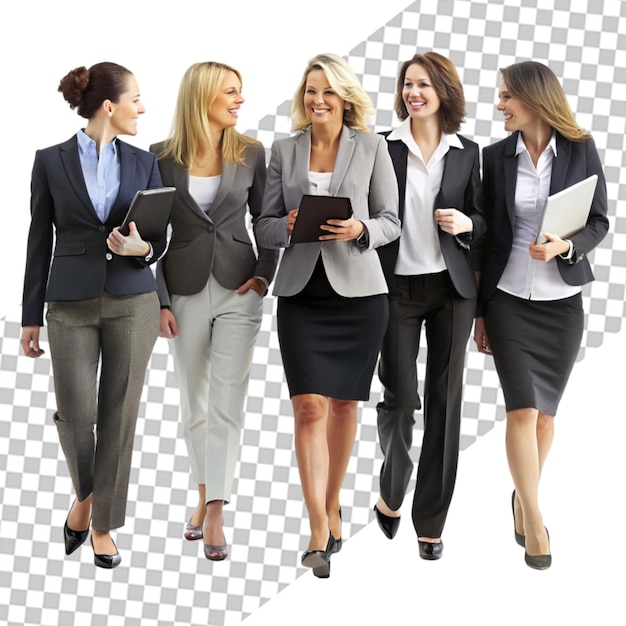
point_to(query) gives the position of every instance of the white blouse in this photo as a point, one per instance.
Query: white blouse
(524, 276)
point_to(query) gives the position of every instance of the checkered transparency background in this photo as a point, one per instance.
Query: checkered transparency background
(165, 580)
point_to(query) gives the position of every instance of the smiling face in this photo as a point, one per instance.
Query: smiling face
(224, 110)
(321, 103)
(517, 116)
(125, 113)
(419, 96)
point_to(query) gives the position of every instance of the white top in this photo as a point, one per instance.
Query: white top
(420, 250)
(524, 276)
(203, 190)
(320, 183)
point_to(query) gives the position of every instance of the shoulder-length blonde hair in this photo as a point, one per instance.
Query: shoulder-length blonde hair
(447, 85)
(191, 129)
(343, 80)
(537, 86)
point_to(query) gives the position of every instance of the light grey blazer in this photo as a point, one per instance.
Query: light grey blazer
(364, 173)
(217, 243)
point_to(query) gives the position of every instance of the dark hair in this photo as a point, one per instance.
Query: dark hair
(86, 89)
(447, 85)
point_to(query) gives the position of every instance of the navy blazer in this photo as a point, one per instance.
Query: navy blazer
(460, 189)
(574, 161)
(62, 213)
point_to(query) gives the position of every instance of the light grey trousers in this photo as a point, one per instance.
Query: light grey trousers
(117, 335)
(217, 330)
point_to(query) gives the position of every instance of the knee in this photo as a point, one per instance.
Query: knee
(310, 410)
(343, 409)
(545, 422)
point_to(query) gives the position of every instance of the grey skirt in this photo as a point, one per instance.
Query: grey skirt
(534, 345)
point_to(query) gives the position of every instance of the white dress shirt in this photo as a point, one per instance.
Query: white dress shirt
(524, 276)
(420, 250)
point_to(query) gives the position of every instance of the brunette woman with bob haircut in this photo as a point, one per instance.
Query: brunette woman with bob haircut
(530, 314)
(432, 285)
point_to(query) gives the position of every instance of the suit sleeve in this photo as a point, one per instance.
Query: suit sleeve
(383, 225)
(597, 223)
(270, 230)
(39, 246)
(267, 257)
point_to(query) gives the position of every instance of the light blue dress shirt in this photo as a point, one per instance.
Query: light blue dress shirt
(102, 175)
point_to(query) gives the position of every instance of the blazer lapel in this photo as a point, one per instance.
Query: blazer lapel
(344, 156)
(302, 160)
(510, 176)
(128, 163)
(560, 164)
(71, 163)
(226, 183)
(399, 154)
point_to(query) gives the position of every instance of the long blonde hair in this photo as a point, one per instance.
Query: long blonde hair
(343, 80)
(537, 86)
(191, 130)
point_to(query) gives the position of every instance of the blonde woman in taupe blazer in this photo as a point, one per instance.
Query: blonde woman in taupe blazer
(211, 282)
(332, 307)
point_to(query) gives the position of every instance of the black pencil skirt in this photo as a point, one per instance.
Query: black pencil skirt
(330, 344)
(534, 345)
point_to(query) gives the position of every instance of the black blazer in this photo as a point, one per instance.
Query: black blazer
(62, 212)
(575, 161)
(461, 189)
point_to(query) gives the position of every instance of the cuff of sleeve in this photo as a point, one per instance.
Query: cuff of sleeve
(363, 240)
(150, 253)
(569, 255)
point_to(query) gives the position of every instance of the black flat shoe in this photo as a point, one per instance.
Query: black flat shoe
(338, 542)
(538, 561)
(73, 538)
(519, 538)
(108, 561)
(319, 560)
(430, 551)
(389, 525)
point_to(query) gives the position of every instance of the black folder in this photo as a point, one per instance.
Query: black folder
(150, 210)
(315, 211)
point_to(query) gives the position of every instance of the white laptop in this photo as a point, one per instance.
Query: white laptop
(567, 211)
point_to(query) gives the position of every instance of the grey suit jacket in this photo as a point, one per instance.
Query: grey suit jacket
(363, 172)
(218, 243)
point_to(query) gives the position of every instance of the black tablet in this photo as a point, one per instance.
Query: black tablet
(315, 211)
(150, 210)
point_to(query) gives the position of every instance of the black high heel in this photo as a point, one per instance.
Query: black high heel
(107, 561)
(338, 542)
(389, 525)
(519, 538)
(73, 538)
(319, 560)
(539, 561)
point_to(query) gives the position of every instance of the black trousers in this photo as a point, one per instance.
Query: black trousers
(428, 300)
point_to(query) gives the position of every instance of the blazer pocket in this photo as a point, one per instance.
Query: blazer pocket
(69, 249)
(240, 239)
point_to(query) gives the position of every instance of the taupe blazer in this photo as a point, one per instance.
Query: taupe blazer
(218, 243)
(363, 172)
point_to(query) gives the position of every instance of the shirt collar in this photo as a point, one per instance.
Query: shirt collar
(87, 146)
(521, 146)
(403, 133)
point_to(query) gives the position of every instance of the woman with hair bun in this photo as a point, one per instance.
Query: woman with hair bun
(103, 310)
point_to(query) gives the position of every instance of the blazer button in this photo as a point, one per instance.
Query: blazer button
(108, 256)
(101, 228)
